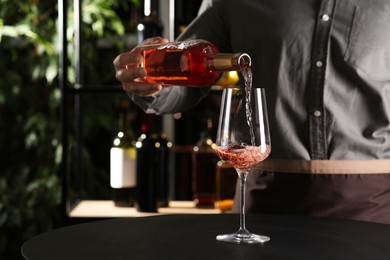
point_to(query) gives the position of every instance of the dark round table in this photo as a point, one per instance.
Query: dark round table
(193, 237)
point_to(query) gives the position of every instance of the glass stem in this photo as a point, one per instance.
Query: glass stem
(242, 176)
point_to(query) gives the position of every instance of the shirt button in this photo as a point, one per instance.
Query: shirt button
(319, 64)
(317, 113)
(325, 17)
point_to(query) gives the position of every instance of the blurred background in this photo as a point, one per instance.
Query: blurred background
(34, 197)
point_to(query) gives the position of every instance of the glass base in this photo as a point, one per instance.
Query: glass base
(243, 237)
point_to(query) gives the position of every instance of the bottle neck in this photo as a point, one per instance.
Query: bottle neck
(125, 135)
(209, 128)
(147, 124)
(123, 121)
(229, 61)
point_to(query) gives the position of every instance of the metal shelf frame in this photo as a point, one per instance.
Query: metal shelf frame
(77, 90)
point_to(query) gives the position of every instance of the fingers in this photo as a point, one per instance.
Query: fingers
(132, 59)
(128, 60)
(132, 80)
(130, 72)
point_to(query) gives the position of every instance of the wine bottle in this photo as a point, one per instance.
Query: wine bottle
(195, 63)
(123, 162)
(152, 166)
(226, 180)
(204, 163)
(163, 154)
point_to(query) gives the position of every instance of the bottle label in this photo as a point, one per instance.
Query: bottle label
(122, 167)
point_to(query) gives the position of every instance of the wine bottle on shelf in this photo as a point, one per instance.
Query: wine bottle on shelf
(162, 157)
(204, 163)
(195, 63)
(153, 151)
(123, 161)
(226, 180)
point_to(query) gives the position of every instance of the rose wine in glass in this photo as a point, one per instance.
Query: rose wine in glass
(243, 140)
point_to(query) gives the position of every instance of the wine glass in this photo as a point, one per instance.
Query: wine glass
(243, 140)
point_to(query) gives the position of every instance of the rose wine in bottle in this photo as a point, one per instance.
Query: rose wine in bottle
(204, 163)
(123, 162)
(195, 63)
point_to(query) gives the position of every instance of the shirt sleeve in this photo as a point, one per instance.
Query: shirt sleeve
(171, 99)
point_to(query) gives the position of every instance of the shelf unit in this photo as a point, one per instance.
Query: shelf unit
(81, 208)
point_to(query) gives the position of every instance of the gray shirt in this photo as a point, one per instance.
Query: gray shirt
(325, 66)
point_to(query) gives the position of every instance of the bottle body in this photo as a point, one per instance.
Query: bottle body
(226, 182)
(146, 191)
(153, 151)
(123, 162)
(204, 163)
(123, 176)
(162, 156)
(195, 63)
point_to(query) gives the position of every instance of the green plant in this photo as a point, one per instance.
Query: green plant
(30, 148)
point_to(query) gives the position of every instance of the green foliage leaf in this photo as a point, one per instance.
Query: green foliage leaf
(30, 188)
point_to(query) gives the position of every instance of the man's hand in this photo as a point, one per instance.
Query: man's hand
(130, 73)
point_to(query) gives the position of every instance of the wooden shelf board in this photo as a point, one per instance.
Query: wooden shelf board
(107, 209)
